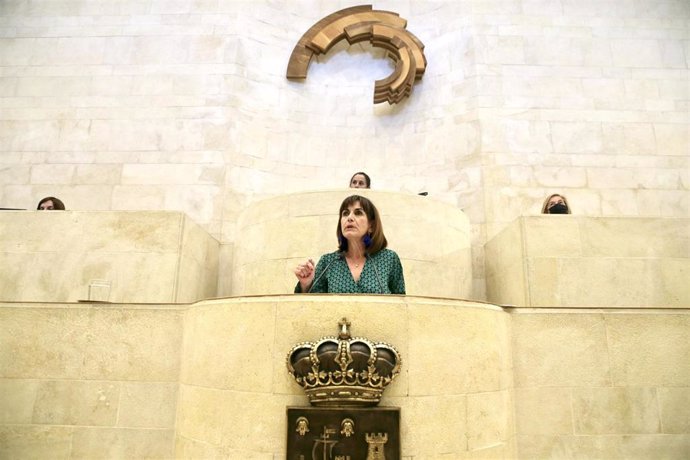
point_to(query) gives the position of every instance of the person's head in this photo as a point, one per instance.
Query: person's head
(359, 217)
(555, 204)
(50, 203)
(360, 180)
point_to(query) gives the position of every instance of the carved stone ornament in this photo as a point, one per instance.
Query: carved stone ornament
(384, 29)
(343, 433)
(343, 371)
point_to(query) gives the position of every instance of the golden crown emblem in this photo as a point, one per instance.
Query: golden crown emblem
(343, 371)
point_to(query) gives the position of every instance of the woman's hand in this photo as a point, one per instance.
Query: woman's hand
(305, 274)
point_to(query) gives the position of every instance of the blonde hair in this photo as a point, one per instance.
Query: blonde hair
(545, 208)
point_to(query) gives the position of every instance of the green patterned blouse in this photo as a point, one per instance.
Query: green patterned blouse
(382, 274)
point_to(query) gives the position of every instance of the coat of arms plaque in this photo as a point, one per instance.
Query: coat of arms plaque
(344, 377)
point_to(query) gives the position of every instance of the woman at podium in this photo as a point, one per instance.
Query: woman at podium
(362, 263)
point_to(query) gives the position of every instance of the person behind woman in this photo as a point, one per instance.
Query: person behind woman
(555, 204)
(50, 203)
(360, 180)
(362, 264)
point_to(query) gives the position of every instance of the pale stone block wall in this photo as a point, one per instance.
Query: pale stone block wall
(572, 261)
(110, 256)
(209, 380)
(431, 238)
(455, 389)
(83, 381)
(601, 384)
(132, 105)
(184, 106)
(198, 265)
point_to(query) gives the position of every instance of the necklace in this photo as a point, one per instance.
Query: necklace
(354, 264)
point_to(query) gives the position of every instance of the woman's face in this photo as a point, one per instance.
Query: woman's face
(47, 206)
(358, 181)
(354, 223)
(554, 200)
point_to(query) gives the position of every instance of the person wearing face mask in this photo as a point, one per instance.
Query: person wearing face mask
(555, 204)
(360, 180)
(362, 264)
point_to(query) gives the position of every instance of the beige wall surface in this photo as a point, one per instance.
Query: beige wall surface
(602, 384)
(538, 261)
(88, 381)
(573, 261)
(94, 381)
(184, 106)
(431, 238)
(105, 256)
(209, 380)
(235, 386)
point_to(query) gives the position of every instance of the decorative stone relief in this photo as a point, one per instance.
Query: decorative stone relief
(384, 29)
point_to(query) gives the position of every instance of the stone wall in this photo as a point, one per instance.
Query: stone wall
(460, 407)
(571, 261)
(85, 381)
(601, 384)
(209, 379)
(129, 257)
(184, 106)
(431, 238)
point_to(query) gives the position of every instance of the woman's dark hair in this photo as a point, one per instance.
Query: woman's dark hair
(57, 204)
(367, 179)
(378, 239)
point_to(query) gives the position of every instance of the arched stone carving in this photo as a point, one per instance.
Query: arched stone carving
(384, 29)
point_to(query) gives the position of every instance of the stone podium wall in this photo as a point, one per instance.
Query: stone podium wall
(85, 381)
(576, 261)
(431, 238)
(109, 256)
(208, 380)
(454, 389)
(609, 384)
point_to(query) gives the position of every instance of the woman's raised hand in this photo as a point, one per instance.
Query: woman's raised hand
(305, 274)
